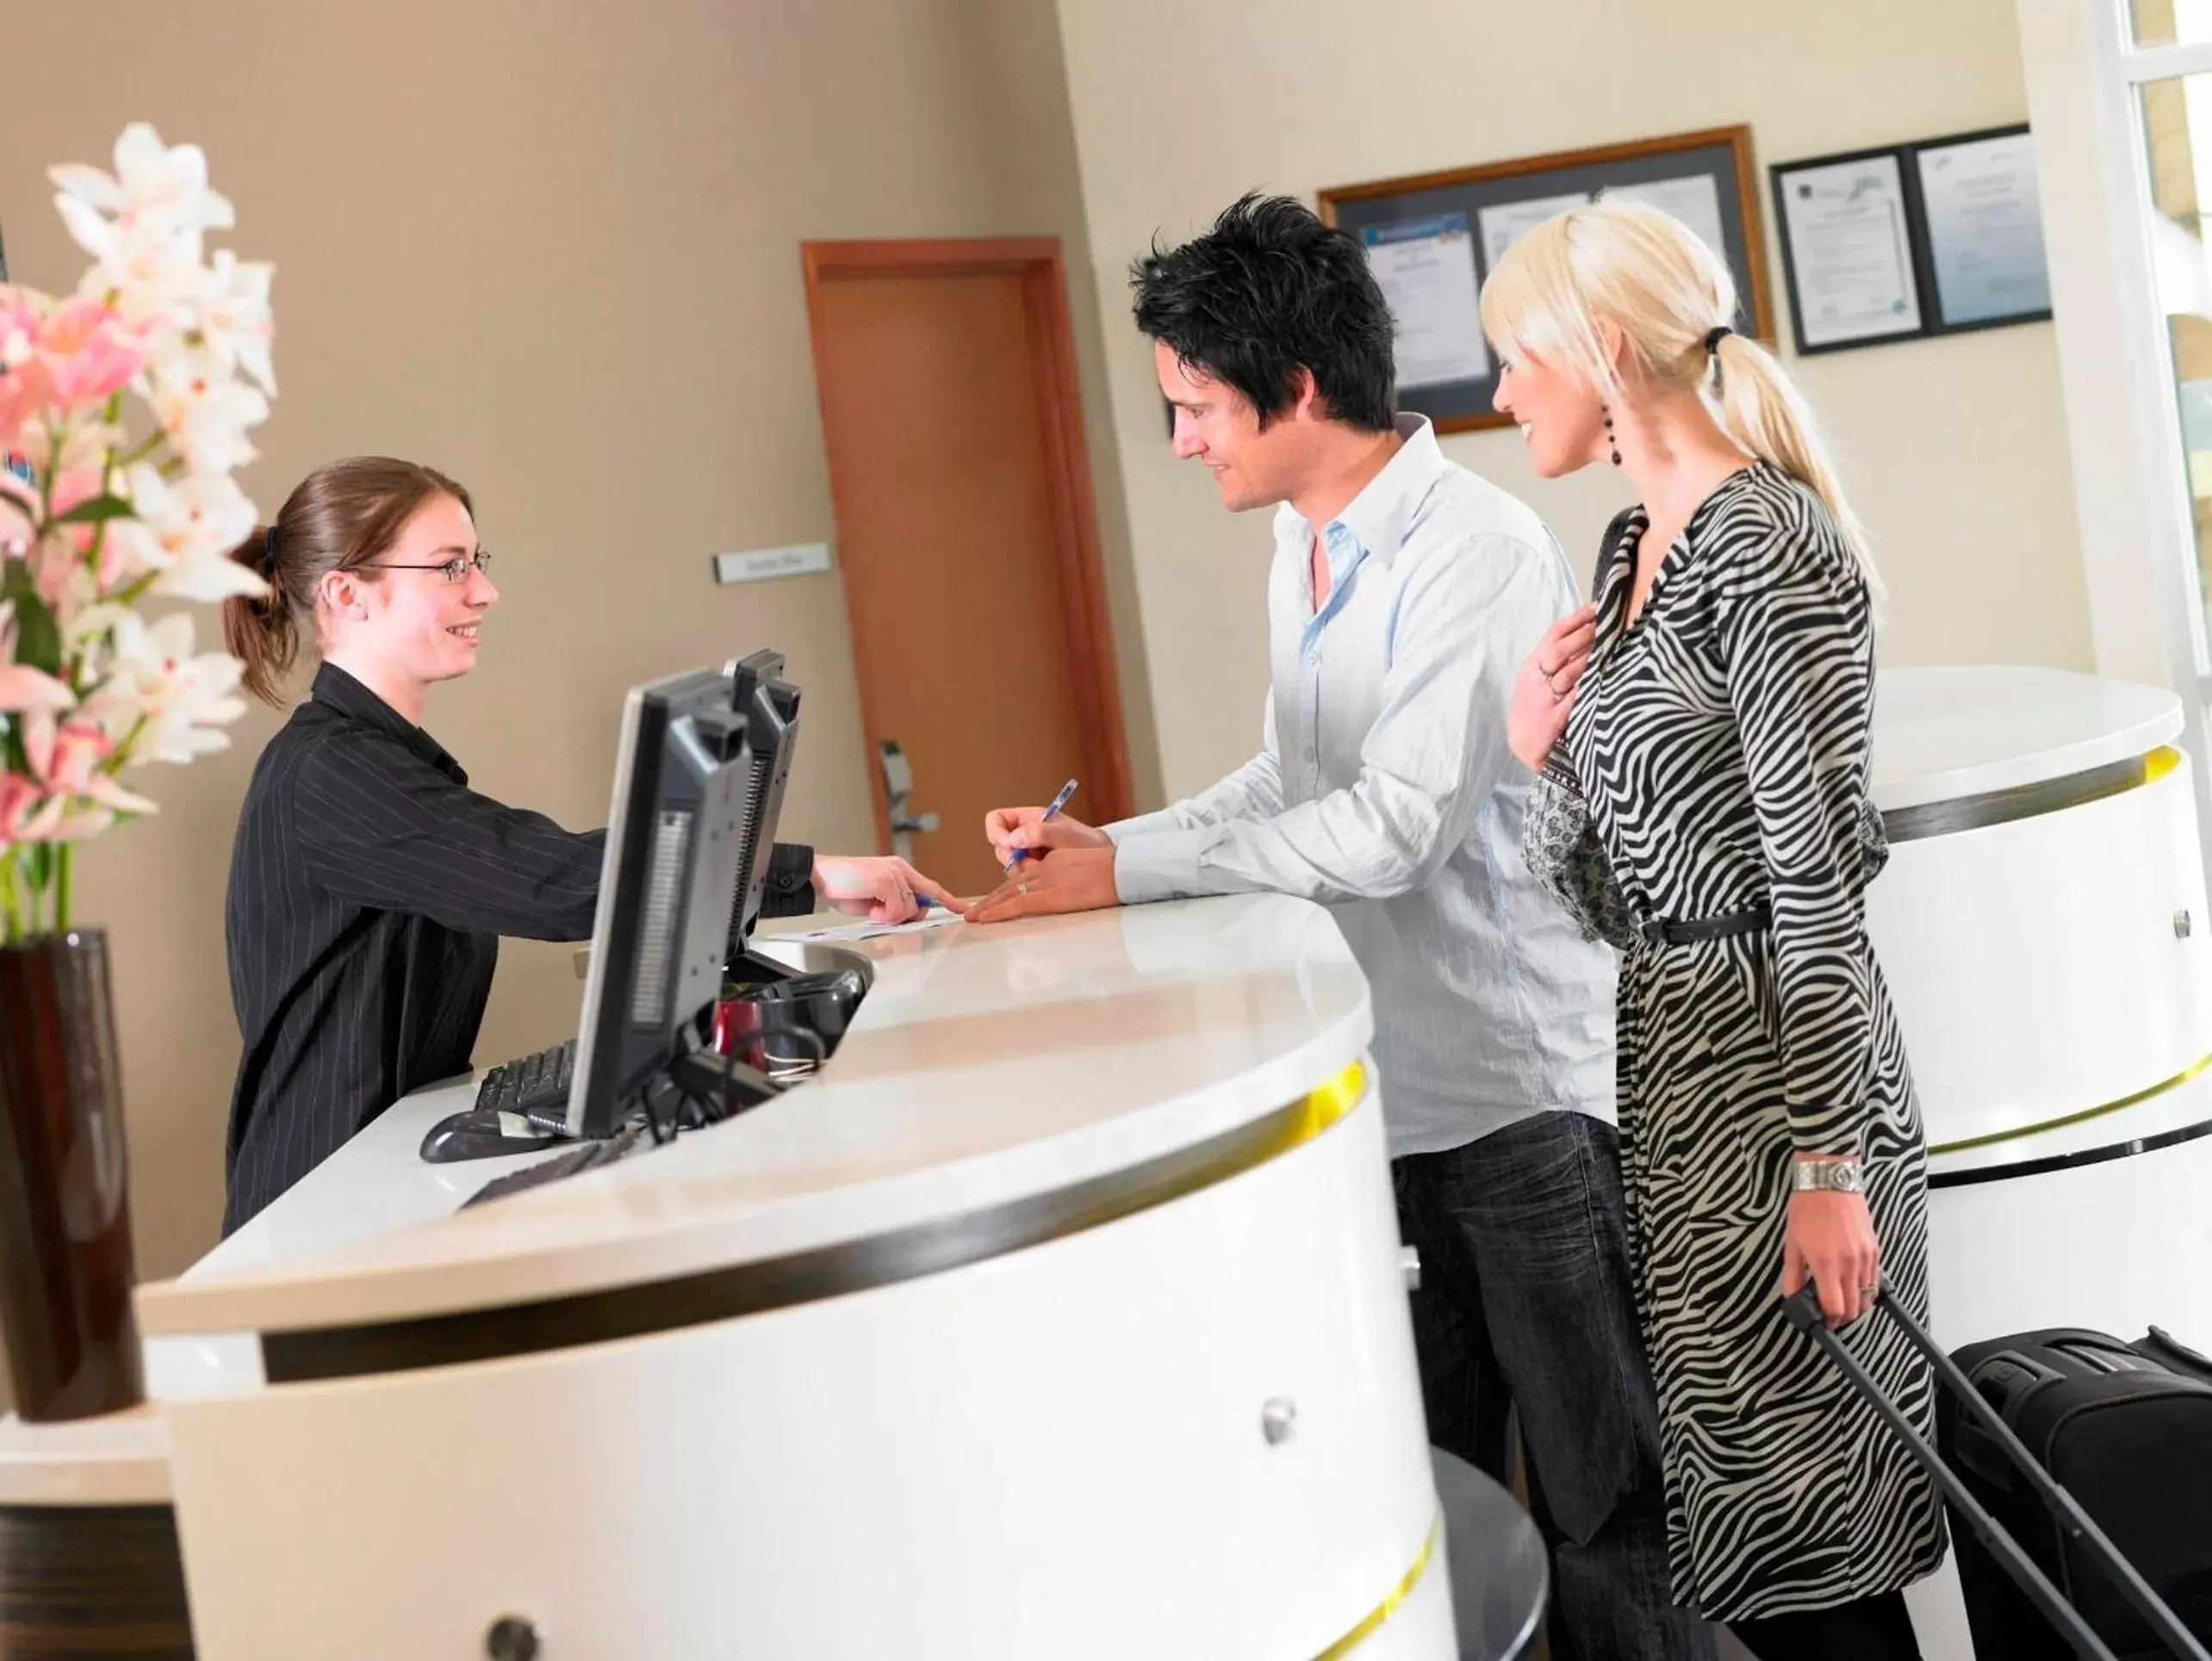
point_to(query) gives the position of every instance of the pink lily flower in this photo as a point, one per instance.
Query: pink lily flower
(23, 390)
(23, 806)
(89, 353)
(79, 800)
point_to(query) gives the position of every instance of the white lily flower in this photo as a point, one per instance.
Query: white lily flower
(190, 517)
(210, 577)
(151, 283)
(234, 317)
(155, 192)
(203, 407)
(179, 695)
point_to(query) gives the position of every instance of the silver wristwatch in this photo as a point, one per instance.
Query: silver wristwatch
(1836, 1176)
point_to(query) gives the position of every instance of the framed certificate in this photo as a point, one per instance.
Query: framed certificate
(1912, 240)
(1985, 229)
(1433, 240)
(1847, 260)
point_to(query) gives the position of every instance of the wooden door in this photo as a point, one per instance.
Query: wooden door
(966, 539)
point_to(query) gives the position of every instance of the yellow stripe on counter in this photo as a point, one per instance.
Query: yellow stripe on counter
(1389, 1606)
(1324, 1104)
(2087, 1113)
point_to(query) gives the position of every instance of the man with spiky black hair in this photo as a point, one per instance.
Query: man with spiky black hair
(1404, 595)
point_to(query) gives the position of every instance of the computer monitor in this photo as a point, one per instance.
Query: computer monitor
(769, 704)
(692, 809)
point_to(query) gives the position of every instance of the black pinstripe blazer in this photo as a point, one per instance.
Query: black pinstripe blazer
(369, 887)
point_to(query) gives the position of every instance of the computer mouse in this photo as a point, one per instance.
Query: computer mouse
(480, 1134)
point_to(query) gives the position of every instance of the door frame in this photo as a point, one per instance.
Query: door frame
(1088, 627)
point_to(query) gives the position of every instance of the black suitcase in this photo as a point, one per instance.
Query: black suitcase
(2126, 1429)
(2132, 1425)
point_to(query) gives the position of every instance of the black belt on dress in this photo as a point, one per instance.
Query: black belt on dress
(1660, 932)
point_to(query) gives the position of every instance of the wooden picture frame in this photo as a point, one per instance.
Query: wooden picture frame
(1708, 175)
(1937, 308)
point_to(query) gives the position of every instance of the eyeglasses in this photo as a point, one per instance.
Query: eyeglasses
(454, 570)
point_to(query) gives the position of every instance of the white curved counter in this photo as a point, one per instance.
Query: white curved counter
(2041, 922)
(1945, 735)
(1062, 1315)
(2043, 928)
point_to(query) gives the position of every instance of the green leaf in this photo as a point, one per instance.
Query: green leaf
(37, 637)
(97, 509)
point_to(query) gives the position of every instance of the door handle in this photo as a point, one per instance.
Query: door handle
(898, 786)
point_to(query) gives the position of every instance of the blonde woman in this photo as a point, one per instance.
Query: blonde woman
(1701, 734)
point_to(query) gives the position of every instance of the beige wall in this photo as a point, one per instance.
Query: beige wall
(1955, 450)
(553, 250)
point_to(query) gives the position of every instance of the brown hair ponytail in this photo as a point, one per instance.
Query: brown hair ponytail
(342, 517)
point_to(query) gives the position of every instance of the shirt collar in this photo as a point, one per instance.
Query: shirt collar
(1378, 518)
(335, 689)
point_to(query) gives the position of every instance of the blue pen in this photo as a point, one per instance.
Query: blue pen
(1051, 813)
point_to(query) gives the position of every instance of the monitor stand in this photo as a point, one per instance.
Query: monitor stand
(746, 968)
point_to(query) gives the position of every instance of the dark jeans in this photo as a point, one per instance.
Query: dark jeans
(1524, 1302)
(1871, 1629)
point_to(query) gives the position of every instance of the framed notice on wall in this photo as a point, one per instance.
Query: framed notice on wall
(1984, 224)
(1912, 239)
(1431, 240)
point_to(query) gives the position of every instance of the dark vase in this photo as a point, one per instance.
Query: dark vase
(65, 1269)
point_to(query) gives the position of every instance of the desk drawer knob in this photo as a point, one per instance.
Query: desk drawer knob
(1279, 1417)
(1409, 1267)
(2181, 926)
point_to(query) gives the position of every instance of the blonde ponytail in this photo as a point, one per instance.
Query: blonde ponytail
(1668, 293)
(1760, 407)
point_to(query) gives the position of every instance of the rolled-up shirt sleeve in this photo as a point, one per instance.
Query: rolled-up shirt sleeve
(1435, 750)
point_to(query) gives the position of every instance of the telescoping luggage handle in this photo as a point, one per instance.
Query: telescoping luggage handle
(1803, 1308)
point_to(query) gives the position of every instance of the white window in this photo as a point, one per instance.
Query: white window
(2120, 98)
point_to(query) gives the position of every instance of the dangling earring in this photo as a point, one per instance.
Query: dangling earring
(1606, 411)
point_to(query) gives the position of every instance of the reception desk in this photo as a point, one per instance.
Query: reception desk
(1062, 1315)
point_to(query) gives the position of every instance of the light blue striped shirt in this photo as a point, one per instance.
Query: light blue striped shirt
(1383, 788)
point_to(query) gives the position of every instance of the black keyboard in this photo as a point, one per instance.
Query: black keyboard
(532, 1084)
(585, 1157)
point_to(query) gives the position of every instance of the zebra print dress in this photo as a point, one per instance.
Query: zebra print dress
(1716, 758)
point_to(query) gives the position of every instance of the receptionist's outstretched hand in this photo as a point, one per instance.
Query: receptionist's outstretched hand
(1026, 828)
(1067, 880)
(879, 887)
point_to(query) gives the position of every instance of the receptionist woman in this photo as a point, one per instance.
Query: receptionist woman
(368, 885)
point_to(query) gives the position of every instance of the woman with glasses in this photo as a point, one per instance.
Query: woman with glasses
(368, 884)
